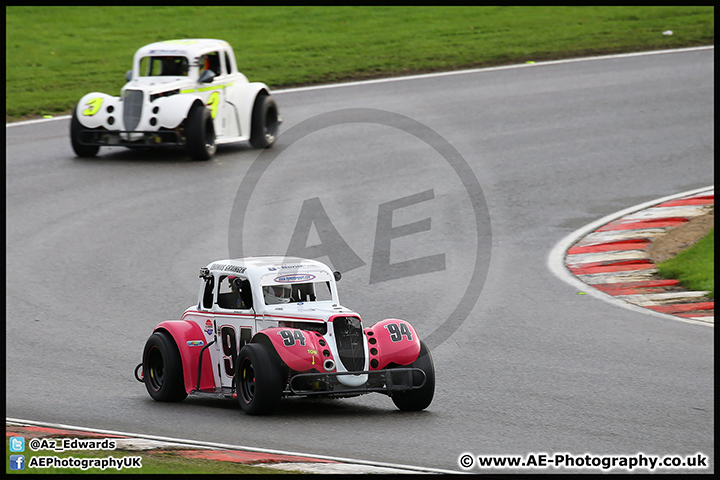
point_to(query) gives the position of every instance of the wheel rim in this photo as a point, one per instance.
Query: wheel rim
(247, 382)
(271, 125)
(155, 369)
(210, 138)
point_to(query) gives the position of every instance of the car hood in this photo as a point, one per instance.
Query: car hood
(320, 311)
(159, 84)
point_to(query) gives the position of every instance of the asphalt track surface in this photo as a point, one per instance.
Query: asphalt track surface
(101, 250)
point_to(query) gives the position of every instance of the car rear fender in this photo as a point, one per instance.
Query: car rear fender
(94, 110)
(190, 340)
(299, 349)
(392, 341)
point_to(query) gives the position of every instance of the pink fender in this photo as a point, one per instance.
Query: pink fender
(299, 349)
(392, 341)
(190, 340)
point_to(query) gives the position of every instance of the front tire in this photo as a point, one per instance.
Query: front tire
(162, 369)
(258, 380)
(418, 399)
(80, 149)
(200, 133)
(265, 122)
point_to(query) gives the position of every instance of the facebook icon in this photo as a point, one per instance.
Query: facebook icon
(17, 462)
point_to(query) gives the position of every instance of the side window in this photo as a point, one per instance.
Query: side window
(208, 293)
(234, 293)
(228, 64)
(214, 62)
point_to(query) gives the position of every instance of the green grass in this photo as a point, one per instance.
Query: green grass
(165, 462)
(694, 267)
(55, 55)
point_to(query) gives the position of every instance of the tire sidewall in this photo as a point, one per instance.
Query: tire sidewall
(171, 387)
(263, 131)
(80, 150)
(198, 130)
(255, 359)
(419, 399)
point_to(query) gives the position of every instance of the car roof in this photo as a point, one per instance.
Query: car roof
(191, 47)
(255, 267)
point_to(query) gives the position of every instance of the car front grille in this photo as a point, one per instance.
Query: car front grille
(133, 108)
(349, 340)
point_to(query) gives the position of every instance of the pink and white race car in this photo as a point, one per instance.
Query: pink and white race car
(270, 327)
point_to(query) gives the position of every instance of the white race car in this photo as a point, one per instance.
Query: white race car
(265, 328)
(185, 93)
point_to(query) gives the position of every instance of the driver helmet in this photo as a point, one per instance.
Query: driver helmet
(204, 63)
(275, 294)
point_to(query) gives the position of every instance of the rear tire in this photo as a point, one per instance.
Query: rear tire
(200, 133)
(162, 369)
(418, 399)
(265, 122)
(258, 380)
(80, 149)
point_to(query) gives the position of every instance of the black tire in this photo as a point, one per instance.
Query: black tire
(200, 133)
(80, 149)
(258, 380)
(162, 369)
(419, 399)
(265, 122)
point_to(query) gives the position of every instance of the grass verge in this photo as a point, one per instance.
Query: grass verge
(694, 268)
(56, 54)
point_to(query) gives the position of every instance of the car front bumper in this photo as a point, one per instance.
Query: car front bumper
(109, 138)
(383, 381)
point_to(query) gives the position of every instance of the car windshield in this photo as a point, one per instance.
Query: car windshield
(166, 65)
(296, 293)
(307, 286)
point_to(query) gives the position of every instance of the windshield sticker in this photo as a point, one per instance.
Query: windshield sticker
(163, 51)
(293, 278)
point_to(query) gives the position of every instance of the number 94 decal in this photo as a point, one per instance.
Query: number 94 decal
(398, 331)
(290, 337)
